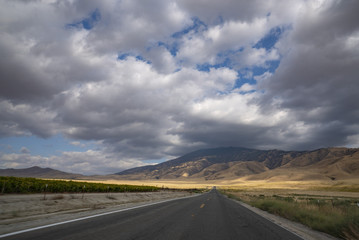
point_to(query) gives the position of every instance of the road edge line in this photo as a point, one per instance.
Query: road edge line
(92, 216)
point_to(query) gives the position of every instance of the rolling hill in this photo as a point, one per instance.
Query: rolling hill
(38, 172)
(252, 164)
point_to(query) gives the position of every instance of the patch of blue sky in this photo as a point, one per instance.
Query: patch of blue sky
(173, 47)
(196, 27)
(140, 58)
(270, 39)
(225, 58)
(124, 56)
(53, 146)
(244, 77)
(270, 66)
(247, 92)
(87, 23)
(220, 20)
(230, 52)
(206, 67)
(247, 75)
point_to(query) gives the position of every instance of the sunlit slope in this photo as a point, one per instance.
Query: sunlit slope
(233, 163)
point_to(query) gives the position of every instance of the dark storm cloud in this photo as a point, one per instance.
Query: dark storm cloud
(20, 79)
(207, 134)
(333, 21)
(61, 76)
(317, 81)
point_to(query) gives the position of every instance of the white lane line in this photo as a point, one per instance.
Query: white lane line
(93, 216)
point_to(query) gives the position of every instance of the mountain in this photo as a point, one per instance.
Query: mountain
(252, 164)
(38, 172)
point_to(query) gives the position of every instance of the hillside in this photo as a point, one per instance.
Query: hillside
(251, 164)
(38, 172)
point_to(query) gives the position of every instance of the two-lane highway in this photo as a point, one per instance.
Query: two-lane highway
(208, 216)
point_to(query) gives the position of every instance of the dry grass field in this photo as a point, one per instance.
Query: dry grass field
(343, 186)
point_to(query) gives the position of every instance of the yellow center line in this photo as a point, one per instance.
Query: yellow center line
(202, 205)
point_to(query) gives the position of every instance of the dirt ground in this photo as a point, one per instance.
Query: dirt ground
(23, 211)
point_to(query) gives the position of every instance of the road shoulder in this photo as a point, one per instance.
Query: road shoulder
(296, 228)
(76, 209)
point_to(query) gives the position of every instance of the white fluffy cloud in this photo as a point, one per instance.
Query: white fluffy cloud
(154, 80)
(233, 35)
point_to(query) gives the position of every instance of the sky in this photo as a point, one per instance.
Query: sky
(96, 87)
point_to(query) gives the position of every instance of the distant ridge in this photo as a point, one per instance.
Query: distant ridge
(252, 164)
(38, 172)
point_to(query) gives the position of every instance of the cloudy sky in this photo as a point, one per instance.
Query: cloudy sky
(100, 86)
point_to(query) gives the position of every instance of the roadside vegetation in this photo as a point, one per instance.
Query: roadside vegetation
(34, 185)
(337, 216)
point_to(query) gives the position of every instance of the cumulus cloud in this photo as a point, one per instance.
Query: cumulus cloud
(155, 80)
(90, 162)
(229, 36)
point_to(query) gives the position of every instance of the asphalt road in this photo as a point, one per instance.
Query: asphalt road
(208, 216)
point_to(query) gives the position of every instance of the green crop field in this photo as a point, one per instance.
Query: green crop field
(34, 185)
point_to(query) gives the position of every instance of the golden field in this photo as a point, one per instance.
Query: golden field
(348, 187)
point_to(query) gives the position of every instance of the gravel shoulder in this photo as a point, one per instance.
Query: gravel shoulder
(23, 211)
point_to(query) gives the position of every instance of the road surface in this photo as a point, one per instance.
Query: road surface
(208, 216)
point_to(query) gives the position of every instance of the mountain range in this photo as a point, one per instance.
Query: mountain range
(252, 164)
(231, 163)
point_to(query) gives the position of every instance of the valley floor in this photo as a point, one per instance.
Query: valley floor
(347, 186)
